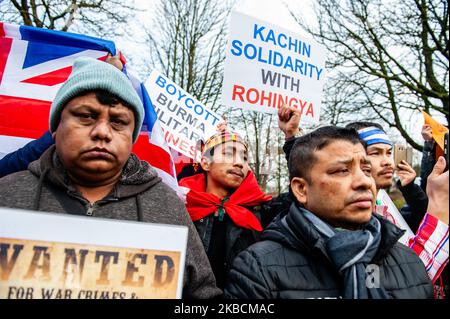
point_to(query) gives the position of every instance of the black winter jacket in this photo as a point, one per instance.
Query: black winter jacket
(290, 262)
(417, 201)
(428, 161)
(231, 240)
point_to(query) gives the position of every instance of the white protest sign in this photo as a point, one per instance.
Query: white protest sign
(183, 118)
(59, 256)
(267, 66)
(393, 215)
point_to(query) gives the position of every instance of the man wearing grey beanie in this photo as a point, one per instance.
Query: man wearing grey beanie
(94, 119)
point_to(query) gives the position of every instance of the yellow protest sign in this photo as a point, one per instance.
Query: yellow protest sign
(32, 269)
(59, 256)
(437, 128)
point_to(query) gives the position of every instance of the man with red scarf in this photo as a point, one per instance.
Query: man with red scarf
(225, 202)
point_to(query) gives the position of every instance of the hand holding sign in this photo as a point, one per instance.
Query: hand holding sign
(222, 126)
(115, 61)
(427, 132)
(288, 121)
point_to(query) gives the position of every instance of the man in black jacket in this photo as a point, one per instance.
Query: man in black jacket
(329, 245)
(225, 202)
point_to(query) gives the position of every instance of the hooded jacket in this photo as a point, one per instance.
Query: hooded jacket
(290, 262)
(139, 195)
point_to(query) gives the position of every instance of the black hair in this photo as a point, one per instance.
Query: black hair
(360, 125)
(302, 158)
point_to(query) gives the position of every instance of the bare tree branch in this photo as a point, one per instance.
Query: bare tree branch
(386, 59)
(96, 17)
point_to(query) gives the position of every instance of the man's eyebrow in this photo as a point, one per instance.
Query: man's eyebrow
(347, 161)
(87, 106)
(344, 161)
(114, 108)
(372, 148)
(118, 113)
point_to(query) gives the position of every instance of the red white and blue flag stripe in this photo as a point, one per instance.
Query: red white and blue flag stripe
(430, 242)
(34, 63)
(431, 245)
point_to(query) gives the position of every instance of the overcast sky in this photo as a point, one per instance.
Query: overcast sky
(273, 11)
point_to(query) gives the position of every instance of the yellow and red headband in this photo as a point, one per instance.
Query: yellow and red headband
(221, 138)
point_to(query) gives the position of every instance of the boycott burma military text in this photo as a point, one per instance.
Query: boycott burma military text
(201, 113)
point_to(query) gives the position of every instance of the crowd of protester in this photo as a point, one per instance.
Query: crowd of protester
(321, 239)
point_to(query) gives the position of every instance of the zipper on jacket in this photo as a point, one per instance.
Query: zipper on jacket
(90, 209)
(91, 206)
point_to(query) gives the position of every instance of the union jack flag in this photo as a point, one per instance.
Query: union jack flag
(34, 63)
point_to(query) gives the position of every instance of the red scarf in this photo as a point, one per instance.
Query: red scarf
(201, 204)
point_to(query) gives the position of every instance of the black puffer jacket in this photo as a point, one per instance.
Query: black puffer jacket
(417, 201)
(291, 262)
(223, 246)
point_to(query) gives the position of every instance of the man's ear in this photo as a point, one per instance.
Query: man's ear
(205, 164)
(299, 187)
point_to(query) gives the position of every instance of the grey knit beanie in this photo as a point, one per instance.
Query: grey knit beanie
(89, 74)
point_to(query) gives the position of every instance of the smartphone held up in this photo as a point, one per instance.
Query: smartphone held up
(402, 153)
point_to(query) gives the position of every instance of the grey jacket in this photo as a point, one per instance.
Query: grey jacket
(138, 196)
